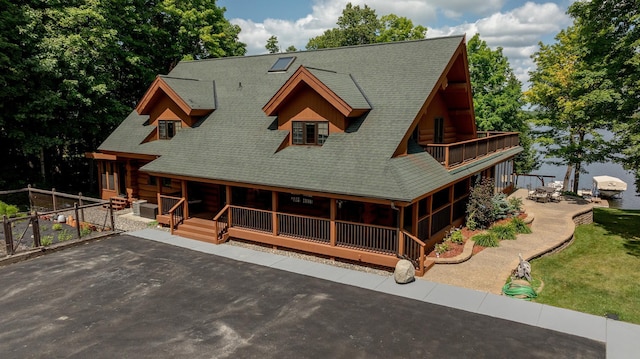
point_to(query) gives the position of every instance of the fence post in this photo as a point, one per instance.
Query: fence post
(35, 227)
(81, 208)
(78, 222)
(8, 235)
(113, 223)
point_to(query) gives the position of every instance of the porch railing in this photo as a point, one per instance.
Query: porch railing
(414, 250)
(176, 214)
(317, 229)
(453, 154)
(221, 221)
(367, 237)
(165, 203)
(254, 219)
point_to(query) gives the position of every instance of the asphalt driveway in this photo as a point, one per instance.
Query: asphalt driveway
(129, 297)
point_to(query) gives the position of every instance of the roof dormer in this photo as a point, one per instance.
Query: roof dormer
(340, 90)
(194, 97)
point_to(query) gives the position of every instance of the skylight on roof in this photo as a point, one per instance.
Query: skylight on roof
(282, 64)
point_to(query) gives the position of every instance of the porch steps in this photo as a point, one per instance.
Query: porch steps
(199, 229)
(118, 203)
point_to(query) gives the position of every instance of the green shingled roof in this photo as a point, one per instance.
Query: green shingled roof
(198, 94)
(237, 142)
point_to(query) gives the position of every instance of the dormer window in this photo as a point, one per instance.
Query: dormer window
(309, 132)
(168, 128)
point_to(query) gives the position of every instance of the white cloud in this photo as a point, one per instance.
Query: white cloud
(517, 31)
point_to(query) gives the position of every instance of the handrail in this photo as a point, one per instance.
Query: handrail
(452, 154)
(225, 224)
(176, 216)
(421, 245)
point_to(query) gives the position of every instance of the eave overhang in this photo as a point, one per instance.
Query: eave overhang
(174, 88)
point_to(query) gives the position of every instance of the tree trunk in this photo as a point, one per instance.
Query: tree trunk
(567, 175)
(576, 177)
(43, 172)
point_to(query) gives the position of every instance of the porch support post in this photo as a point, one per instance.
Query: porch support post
(414, 221)
(228, 198)
(128, 180)
(332, 224)
(274, 211)
(185, 194)
(451, 204)
(400, 234)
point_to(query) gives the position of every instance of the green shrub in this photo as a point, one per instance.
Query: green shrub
(3, 208)
(11, 210)
(64, 236)
(456, 237)
(46, 240)
(56, 227)
(501, 208)
(85, 231)
(519, 226)
(480, 206)
(503, 232)
(515, 204)
(442, 247)
(486, 240)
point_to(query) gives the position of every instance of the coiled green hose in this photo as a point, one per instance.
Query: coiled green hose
(521, 291)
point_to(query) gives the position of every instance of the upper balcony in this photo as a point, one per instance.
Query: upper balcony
(455, 154)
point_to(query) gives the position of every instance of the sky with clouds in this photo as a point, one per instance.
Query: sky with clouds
(515, 25)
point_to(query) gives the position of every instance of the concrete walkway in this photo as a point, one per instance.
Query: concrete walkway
(488, 270)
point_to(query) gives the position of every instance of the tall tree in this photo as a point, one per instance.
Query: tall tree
(610, 33)
(566, 94)
(395, 28)
(272, 45)
(359, 26)
(75, 69)
(497, 97)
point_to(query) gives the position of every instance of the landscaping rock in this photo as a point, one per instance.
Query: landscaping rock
(405, 272)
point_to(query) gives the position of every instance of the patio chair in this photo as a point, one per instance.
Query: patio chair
(530, 193)
(556, 196)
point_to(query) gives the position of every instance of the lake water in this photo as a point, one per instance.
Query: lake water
(628, 200)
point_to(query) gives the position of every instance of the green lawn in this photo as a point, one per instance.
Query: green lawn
(600, 272)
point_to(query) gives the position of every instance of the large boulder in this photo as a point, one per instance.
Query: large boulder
(405, 272)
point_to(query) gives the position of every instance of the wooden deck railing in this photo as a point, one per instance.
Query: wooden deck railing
(254, 219)
(367, 237)
(176, 214)
(165, 203)
(364, 237)
(221, 221)
(414, 250)
(172, 206)
(302, 227)
(454, 154)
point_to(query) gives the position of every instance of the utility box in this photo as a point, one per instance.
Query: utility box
(136, 206)
(148, 210)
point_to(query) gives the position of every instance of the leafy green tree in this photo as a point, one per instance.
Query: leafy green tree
(567, 96)
(272, 45)
(72, 70)
(291, 49)
(359, 26)
(497, 98)
(610, 33)
(395, 28)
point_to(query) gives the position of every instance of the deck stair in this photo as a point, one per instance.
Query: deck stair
(119, 203)
(197, 228)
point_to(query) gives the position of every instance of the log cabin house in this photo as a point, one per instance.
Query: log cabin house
(363, 153)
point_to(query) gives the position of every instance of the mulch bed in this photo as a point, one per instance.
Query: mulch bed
(456, 249)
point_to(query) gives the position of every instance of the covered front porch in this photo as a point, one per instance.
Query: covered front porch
(376, 232)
